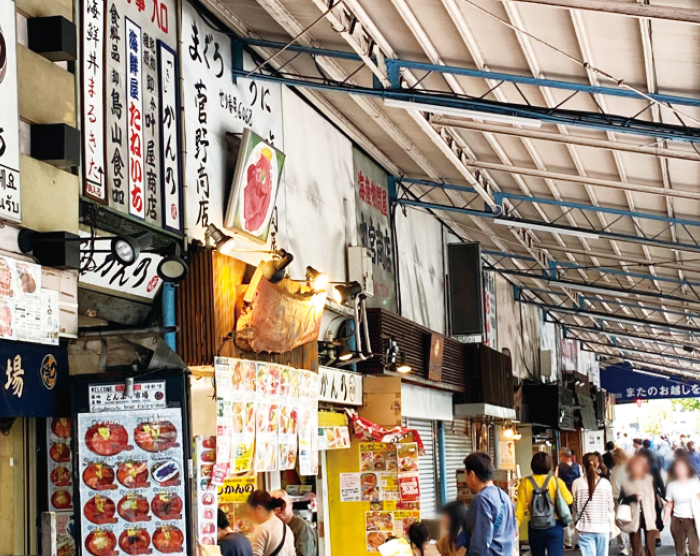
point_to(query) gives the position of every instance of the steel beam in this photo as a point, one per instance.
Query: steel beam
(460, 123)
(695, 361)
(600, 182)
(625, 335)
(538, 82)
(630, 9)
(677, 328)
(593, 120)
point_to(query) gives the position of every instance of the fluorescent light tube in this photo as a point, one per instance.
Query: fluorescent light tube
(545, 228)
(657, 375)
(462, 113)
(589, 289)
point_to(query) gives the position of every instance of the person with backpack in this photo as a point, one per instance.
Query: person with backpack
(537, 495)
(594, 508)
(568, 471)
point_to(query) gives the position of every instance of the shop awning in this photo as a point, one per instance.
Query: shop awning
(484, 410)
(33, 380)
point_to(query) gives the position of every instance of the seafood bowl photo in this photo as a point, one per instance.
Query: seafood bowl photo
(168, 539)
(101, 543)
(99, 476)
(107, 439)
(156, 437)
(133, 474)
(135, 541)
(100, 510)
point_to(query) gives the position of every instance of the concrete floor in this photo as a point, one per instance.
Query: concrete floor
(666, 549)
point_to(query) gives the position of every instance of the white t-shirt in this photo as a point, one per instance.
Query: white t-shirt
(681, 493)
(268, 536)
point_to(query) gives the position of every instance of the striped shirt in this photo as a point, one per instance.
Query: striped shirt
(594, 515)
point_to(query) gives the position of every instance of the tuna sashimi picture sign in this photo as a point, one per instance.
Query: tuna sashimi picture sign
(254, 187)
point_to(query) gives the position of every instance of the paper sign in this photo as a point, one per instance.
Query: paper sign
(350, 487)
(409, 486)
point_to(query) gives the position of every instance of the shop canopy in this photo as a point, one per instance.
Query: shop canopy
(629, 384)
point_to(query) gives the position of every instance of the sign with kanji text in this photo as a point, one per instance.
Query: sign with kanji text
(629, 385)
(33, 380)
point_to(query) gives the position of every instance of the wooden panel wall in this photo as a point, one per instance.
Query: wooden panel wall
(206, 313)
(414, 341)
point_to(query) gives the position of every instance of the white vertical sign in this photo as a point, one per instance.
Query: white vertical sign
(137, 205)
(10, 207)
(170, 138)
(93, 100)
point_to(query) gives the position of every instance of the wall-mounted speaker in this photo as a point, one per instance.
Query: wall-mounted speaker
(466, 289)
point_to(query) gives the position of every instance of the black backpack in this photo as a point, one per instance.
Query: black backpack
(541, 508)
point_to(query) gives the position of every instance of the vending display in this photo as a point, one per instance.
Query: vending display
(132, 482)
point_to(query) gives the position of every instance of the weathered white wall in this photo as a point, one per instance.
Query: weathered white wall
(519, 329)
(320, 195)
(421, 268)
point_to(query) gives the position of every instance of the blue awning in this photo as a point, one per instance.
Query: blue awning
(33, 380)
(628, 384)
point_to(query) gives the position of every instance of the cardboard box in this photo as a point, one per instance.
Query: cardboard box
(381, 401)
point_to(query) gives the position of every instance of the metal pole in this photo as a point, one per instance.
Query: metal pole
(442, 462)
(168, 302)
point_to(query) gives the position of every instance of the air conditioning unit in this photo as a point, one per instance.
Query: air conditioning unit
(546, 360)
(360, 268)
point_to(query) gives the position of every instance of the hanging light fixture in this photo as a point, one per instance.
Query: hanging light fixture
(223, 243)
(508, 432)
(342, 293)
(172, 268)
(276, 269)
(403, 367)
(318, 281)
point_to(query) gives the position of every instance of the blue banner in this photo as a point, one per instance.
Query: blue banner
(629, 385)
(33, 380)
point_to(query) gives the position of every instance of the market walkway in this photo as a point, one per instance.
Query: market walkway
(666, 548)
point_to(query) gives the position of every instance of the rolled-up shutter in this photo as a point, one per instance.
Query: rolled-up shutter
(427, 466)
(458, 445)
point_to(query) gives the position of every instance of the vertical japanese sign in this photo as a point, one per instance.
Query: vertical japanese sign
(215, 106)
(490, 324)
(132, 79)
(374, 228)
(171, 177)
(10, 206)
(93, 31)
(137, 206)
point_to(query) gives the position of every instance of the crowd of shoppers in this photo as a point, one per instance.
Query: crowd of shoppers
(623, 494)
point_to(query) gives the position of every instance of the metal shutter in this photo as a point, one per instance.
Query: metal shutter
(427, 466)
(458, 445)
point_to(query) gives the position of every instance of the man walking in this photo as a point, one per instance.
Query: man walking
(568, 471)
(305, 540)
(607, 456)
(490, 519)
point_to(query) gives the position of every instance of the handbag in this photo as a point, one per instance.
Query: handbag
(561, 507)
(624, 513)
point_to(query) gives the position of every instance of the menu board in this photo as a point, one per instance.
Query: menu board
(382, 526)
(378, 456)
(131, 481)
(205, 491)
(288, 416)
(27, 312)
(243, 410)
(60, 492)
(308, 423)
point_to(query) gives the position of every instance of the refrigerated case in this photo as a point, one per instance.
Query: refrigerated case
(131, 461)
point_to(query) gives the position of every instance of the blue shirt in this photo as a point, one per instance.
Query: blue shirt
(491, 523)
(694, 458)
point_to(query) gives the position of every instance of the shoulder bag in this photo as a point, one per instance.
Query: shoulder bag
(284, 538)
(562, 507)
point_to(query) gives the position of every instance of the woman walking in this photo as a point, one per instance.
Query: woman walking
(619, 473)
(637, 490)
(593, 507)
(548, 541)
(271, 536)
(682, 487)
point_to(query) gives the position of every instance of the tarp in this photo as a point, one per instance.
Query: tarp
(629, 385)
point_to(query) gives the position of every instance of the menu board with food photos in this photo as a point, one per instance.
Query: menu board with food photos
(308, 423)
(204, 491)
(132, 482)
(58, 438)
(243, 409)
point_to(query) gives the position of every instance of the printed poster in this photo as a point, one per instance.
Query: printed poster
(131, 469)
(379, 527)
(204, 491)
(58, 440)
(288, 418)
(233, 495)
(333, 438)
(350, 487)
(223, 375)
(243, 429)
(267, 408)
(308, 423)
(409, 481)
(378, 456)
